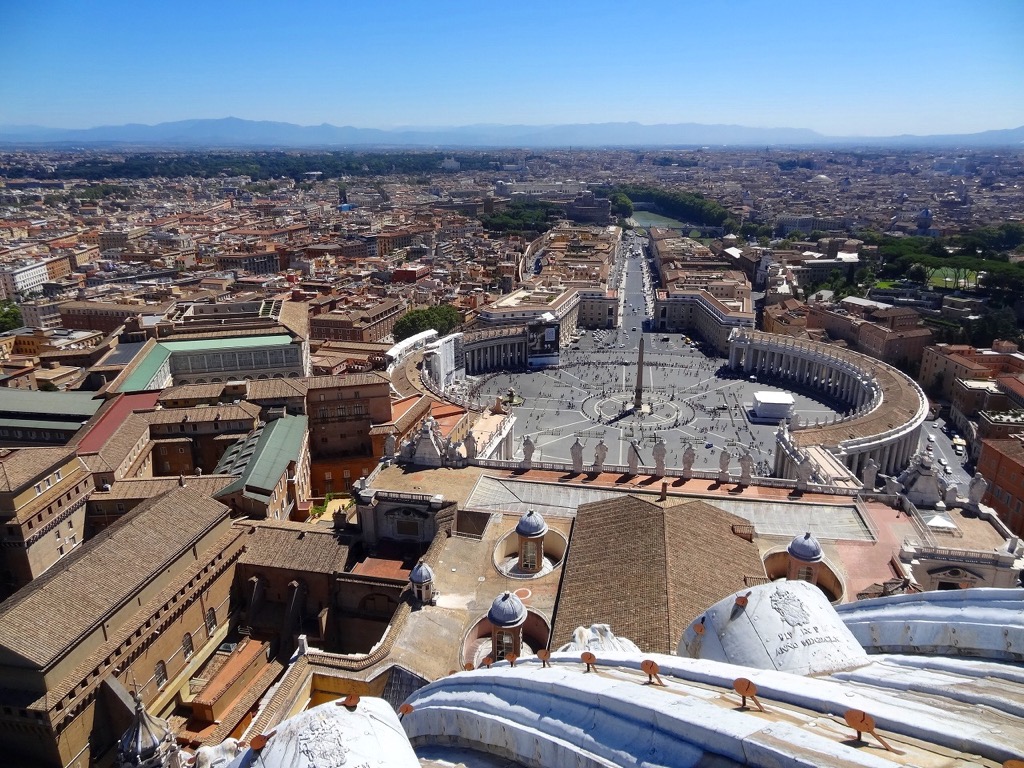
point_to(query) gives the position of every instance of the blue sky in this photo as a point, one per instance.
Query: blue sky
(852, 68)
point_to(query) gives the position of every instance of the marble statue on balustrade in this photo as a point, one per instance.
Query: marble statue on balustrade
(498, 409)
(634, 457)
(689, 456)
(389, 447)
(804, 472)
(921, 483)
(452, 452)
(746, 468)
(528, 448)
(952, 495)
(600, 454)
(869, 474)
(724, 459)
(471, 447)
(893, 487)
(976, 490)
(576, 451)
(659, 454)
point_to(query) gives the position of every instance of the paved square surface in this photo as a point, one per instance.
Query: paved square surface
(689, 397)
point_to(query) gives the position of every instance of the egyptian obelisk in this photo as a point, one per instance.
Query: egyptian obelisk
(638, 395)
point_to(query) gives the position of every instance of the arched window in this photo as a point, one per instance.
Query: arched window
(186, 645)
(160, 673)
(211, 620)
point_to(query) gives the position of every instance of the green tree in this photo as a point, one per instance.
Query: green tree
(443, 319)
(918, 273)
(622, 205)
(10, 316)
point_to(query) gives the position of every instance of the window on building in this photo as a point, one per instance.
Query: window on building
(186, 645)
(804, 573)
(39, 488)
(529, 555)
(211, 620)
(505, 644)
(160, 673)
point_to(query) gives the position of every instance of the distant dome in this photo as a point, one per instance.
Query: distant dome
(507, 610)
(421, 574)
(821, 178)
(805, 548)
(531, 525)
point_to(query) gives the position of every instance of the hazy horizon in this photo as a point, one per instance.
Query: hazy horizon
(871, 69)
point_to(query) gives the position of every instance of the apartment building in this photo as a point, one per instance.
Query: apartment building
(42, 510)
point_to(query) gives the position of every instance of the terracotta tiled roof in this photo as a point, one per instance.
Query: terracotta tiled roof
(192, 391)
(347, 380)
(45, 619)
(20, 467)
(294, 546)
(199, 414)
(648, 568)
(272, 389)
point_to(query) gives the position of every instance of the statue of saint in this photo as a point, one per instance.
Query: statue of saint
(804, 470)
(659, 453)
(689, 456)
(470, 443)
(576, 451)
(634, 457)
(528, 448)
(976, 490)
(723, 460)
(746, 467)
(600, 454)
(869, 474)
(389, 447)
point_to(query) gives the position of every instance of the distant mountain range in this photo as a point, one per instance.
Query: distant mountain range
(233, 132)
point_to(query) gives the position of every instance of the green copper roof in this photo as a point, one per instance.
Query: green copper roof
(261, 459)
(141, 378)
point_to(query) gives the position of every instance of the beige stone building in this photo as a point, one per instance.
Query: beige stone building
(42, 509)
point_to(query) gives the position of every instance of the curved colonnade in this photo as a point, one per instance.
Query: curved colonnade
(495, 349)
(887, 407)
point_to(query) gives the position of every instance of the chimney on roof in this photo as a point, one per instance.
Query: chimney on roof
(664, 490)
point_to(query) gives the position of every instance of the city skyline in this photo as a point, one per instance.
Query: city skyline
(872, 70)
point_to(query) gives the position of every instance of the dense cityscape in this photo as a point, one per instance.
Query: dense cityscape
(286, 430)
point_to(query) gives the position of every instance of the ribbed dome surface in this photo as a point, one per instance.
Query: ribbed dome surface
(531, 525)
(421, 574)
(507, 610)
(805, 548)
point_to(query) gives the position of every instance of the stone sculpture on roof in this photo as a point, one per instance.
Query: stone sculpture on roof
(576, 451)
(869, 474)
(976, 490)
(389, 447)
(634, 458)
(659, 454)
(470, 443)
(723, 466)
(600, 454)
(746, 468)
(689, 456)
(528, 449)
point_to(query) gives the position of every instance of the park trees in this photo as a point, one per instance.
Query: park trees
(443, 319)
